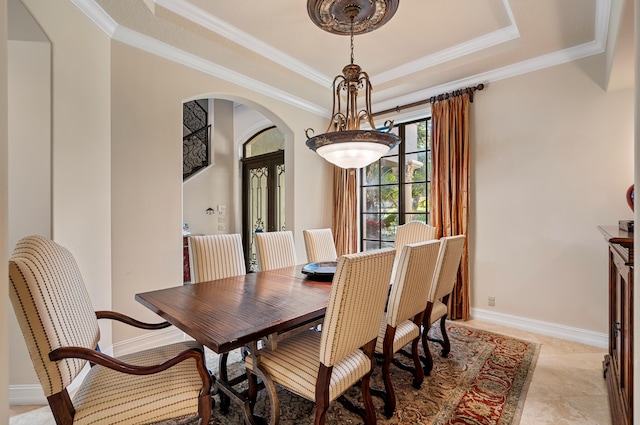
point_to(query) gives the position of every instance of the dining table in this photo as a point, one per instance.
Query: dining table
(238, 311)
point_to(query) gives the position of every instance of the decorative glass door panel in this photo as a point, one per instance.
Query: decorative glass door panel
(263, 209)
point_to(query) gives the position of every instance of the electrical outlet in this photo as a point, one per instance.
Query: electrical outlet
(491, 302)
(222, 227)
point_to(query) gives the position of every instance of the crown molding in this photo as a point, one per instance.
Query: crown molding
(158, 48)
(502, 35)
(524, 67)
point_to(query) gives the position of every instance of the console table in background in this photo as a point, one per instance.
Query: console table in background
(618, 363)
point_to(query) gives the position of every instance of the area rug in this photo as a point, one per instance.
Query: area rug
(483, 381)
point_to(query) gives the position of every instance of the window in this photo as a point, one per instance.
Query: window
(396, 189)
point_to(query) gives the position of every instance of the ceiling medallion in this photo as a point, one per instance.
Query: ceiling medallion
(334, 16)
(344, 143)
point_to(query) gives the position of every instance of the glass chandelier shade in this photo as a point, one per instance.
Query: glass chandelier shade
(344, 143)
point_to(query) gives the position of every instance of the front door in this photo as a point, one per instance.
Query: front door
(263, 193)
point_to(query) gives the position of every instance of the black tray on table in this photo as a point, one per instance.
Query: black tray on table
(322, 271)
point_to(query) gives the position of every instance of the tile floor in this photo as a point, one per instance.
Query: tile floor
(567, 385)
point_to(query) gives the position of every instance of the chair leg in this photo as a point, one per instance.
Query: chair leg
(390, 394)
(370, 411)
(62, 407)
(204, 409)
(418, 374)
(446, 345)
(426, 325)
(322, 393)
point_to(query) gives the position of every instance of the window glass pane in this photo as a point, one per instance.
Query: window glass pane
(269, 140)
(387, 245)
(388, 226)
(410, 138)
(371, 199)
(415, 168)
(416, 217)
(389, 198)
(389, 170)
(422, 137)
(372, 226)
(372, 174)
(415, 197)
(371, 245)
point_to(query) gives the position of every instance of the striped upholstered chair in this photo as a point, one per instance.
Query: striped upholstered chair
(216, 257)
(444, 280)
(412, 232)
(321, 366)
(319, 245)
(401, 324)
(275, 250)
(61, 330)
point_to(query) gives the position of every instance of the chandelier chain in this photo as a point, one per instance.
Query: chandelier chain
(351, 40)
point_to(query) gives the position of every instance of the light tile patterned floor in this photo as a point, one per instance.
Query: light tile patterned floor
(567, 387)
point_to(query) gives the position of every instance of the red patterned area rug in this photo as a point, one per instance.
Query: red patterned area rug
(483, 381)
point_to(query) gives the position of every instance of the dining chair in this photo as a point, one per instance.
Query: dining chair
(60, 328)
(319, 245)
(216, 257)
(444, 280)
(412, 232)
(321, 366)
(275, 250)
(402, 321)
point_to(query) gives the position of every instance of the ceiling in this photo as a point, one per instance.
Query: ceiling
(427, 48)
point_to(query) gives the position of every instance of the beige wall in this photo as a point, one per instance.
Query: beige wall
(4, 229)
(29, 139)
(80, 163)
(29, 75)
(552, 158)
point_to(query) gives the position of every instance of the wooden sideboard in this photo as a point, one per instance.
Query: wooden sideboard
(618, 363)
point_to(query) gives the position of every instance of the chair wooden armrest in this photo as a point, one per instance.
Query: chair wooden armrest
(113, 363)
(106, 314)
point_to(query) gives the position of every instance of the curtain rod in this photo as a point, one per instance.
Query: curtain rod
(433, 99)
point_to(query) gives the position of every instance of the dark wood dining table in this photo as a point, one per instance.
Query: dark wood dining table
(234, 312)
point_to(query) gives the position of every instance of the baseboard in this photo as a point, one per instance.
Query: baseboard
(33, 394)
(596, 339)
(26, 395)
(152, 339)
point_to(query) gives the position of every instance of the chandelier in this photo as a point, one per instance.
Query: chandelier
(344, 143)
